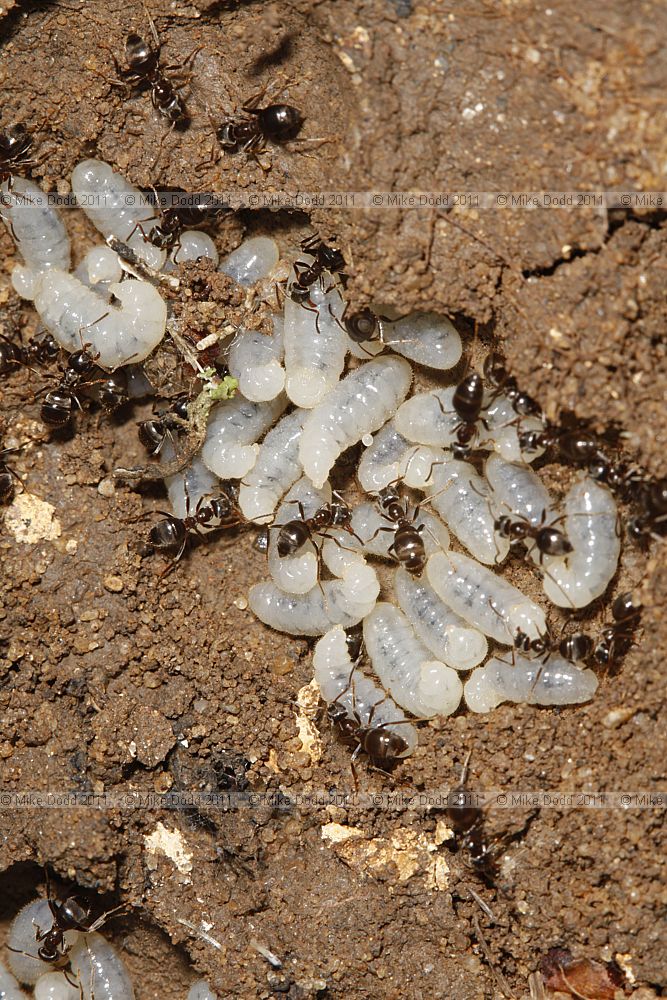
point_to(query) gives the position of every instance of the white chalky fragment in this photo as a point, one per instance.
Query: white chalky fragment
(234, 427)
(119, 333)
(429, 418)
(465, 502)
(53, 986)
(251, 261)
(194, 246)
(391, 457)
(115, 207)
(23, 942)
(298, 573)
(255, 359)
(418, 683)
(361, 403)
(340, 682)
(100, 970)
(530, 682)
(425, 338)
(276, 469)
(9, 988)
(444, 633)
(377, 532)
(35, 225)
(315, 345)
(519, 490)
(201, 991)
(484, 599)
(591, 525)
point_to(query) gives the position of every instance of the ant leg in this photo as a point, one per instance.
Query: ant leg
(178, 246)
(383, 527)
(162, 142)
(141, 230)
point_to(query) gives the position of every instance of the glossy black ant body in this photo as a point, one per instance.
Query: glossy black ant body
(380, 742)
(154, 432)
(172, 532)
(276, 123)
(37, 351)
(466, 819)
(81, 374)
(174, 220)
(408, 545)
(294, 534)
(15, 148)
(575, 648)
(549, 540)
(652, 521)
(617, 636)
(305, 275)
(8, 477)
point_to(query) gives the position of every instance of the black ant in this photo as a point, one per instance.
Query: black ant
(408, 545)
(37, 351)
(549, 540)
(497, 375)
(468, 401)
(80, 374)
(652, 521)
(294, 534)
(7, 477)
(277, 123)
(166, 235)
(575, 648)
(616, 636)
(171, 533)
(305, 275)
(154, 432)
(15, 147)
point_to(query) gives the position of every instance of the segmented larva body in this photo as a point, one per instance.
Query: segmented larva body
(484, 599)
(529, 682)
(298, 573)
(465, 502)
(315, 345)
(391, 458)
(358, 405)
(444, 633)
(195, 482)
(521, 491)
(367, 522)
(276, 469)
(234, 427)
(115, 207)
(193, 246)
(9, 988)
(255, 359)
(100, 970)
(54, 986)
(118, 333)
(505, 426)
(429, 418)
(254, 260)
(591, 525)
(425, 338)
(404, 666)
(341, 682)
(37, 229)
(23, 960)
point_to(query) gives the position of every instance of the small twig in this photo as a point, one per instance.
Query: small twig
(134, 265)
(503, 985)
(262, 950)
(200, 933)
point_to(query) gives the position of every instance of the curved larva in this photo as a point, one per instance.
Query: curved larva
(485, 600)
(53, 986)
(520, 489)
(100, 970)
(591, 525)
(115, 207)
(425, 338)
(358, 405)
(120, 334)
(503, 427)
(340, 681)
(423, 686)
(529, 682)
(234, 427)
(193, 246)
(391, 457)
(276, 469)
(465, 502)
(195, 481)
(35, 225)
(253, 260)
(449, 637)
(9, 988)
(429, 418)
(315, 345)
(333, 602)
(255, 359)
(201, 991)
(296, 574)
(367, 520)
(25, 967)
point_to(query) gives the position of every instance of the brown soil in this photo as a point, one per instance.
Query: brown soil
(112, 680)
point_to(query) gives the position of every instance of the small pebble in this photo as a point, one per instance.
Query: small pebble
(113, 583)
(106, 488)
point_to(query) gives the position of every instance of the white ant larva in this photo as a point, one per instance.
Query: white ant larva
(187, 487)
(315, 346)
(234, 427)
(425, 338)
(276, 469)
(201, 991)
(377, 532)
(418, 683)
(355, 702)
(429, 418)
(553, 681)
(484, 599)
(193, 245)
(252, 261)
(504, 427)
(99, 969)
(9, 988)
(520, 489)
(116, 333)
(464, 500)
(54, 986)
(591, 525)
(297, 572)
(358, 405)
(117, 208)
(447, 636)
(37, 229)
(23, 944)
(392, 457)
(255, 360)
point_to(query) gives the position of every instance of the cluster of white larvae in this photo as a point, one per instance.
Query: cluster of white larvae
(299, 407)
(94, 969)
